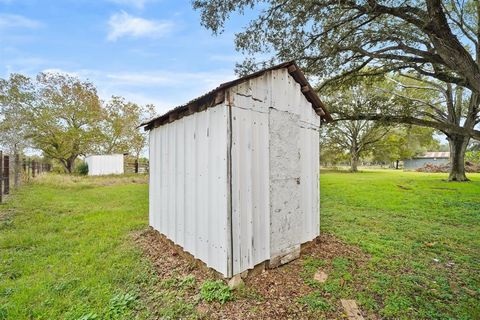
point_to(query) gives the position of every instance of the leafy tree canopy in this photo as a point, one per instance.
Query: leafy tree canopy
(119, 126)
(64, 117)
(436, 41)
(16, 93)
(336, 38)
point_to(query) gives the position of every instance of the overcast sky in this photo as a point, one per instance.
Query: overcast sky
(149, 51)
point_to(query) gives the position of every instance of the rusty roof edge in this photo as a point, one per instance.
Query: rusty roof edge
(310, 93)
(193, 105)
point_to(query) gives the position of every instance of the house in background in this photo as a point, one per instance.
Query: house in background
(435, 158)
(100, 165)
(234, 174)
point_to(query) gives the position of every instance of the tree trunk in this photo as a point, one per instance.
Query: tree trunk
(458, 147)
(396, 164)
(354, 162)
(16, 179)
(70, 165)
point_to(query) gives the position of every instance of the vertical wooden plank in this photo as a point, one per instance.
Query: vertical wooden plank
(152, 188)
(211, 215)
(229, 226)
(180, 185)
(189, 182)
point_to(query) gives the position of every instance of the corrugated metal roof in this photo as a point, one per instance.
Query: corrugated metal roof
(434, 154)
(217, 96)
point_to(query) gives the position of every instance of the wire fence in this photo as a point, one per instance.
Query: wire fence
(16, 170)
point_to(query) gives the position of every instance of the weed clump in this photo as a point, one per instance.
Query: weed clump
(315, 301)
(215, 291)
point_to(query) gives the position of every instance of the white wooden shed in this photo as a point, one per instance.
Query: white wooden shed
(99, 165)
(234, 174)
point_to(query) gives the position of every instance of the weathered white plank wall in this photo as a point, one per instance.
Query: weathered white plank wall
(188, 185)
(104, 164)
(275, 163)
(271, 190)
(294, 163)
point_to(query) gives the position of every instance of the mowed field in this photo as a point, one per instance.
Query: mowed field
(69, 249)
(422, 235)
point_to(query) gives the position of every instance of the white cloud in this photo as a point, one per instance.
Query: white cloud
(166, 78)
(17, 21)
(123, 24)
(61, 71)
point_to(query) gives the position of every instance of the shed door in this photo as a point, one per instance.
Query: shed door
(285, 170)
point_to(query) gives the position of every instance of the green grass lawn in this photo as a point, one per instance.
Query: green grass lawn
(67, 248)
(423, 236)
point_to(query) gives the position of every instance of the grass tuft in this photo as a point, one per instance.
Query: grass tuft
(215, 291)
(315, 302)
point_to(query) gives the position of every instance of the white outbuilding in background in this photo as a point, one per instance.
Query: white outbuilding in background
(99, 165)
(234, 174)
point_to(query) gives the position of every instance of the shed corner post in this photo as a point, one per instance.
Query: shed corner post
(229, 186)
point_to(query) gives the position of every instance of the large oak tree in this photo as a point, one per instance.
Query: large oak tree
(339, 39)
(64, 118)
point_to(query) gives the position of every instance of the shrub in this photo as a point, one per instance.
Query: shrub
(215, 291)
(82, 168)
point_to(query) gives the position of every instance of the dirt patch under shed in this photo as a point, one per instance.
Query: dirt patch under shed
(286, 292)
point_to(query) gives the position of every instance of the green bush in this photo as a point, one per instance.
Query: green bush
(215, 291)
(82, 168)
